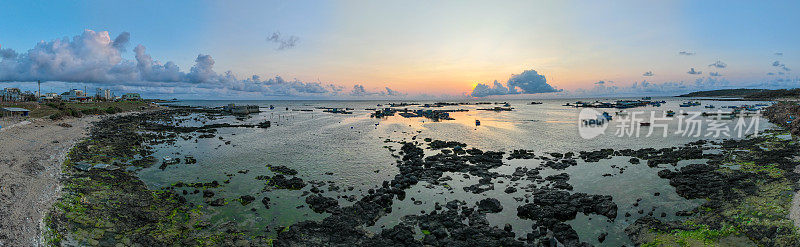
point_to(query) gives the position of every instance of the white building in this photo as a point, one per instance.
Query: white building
(104, 94)
(74, 95)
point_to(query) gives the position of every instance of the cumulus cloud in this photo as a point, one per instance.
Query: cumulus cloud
(714, 74)
(358, 90)
(718, 64)
(282, 41)
(648, 73)
(527, 82)
(392, 92)
(686, 53)
(95, 58)
(694, 72)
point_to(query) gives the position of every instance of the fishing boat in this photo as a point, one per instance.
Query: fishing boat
(710, 106)
(670, 113)
(477, 122)
(644, 124)
(536, 103)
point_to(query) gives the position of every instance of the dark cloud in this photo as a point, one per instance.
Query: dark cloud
(694, 72)
(392, 92)
(718, 64)
(8, 54)
(648, 73)
(780, 65)
(686, 53)
(529, 82)
(121, 41)
(483, 90)
(358, 90)
(283, 42)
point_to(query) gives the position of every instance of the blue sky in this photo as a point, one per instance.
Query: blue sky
(418, 48)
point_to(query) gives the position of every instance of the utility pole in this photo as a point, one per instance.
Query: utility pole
(39, 93)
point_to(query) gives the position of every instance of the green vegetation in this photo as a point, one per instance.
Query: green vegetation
(113, 207)
(699, 235)
(756, 214)
(59, 110)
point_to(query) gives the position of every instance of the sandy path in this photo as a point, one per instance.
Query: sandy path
(30, 167)
(794, 211)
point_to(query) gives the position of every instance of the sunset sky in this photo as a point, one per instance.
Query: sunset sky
(431, 48)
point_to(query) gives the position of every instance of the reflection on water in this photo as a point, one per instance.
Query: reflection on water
(349, 150)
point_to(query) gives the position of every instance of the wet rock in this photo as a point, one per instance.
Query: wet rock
(218, 202)
(208, 193)
(510, 190)
(602, 237)
(282, 170)
(490, 205)
(246, 199)
(279, 181)
(562, 206)
(321, 204)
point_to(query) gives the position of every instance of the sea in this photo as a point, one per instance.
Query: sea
(355, 150)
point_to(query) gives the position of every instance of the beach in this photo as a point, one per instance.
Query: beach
(30, 167)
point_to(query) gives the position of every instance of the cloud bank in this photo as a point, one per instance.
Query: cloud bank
(94, 58)
(528, 82)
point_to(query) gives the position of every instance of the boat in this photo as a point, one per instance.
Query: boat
(710, 106)
(477, 122)
(497, 108)
(690, 103)
(622, 113)
(644, 124)
(670, 113)
(169, 160)
(536, 103)
(190, 159)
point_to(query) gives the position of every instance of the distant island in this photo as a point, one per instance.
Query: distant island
(746, 93)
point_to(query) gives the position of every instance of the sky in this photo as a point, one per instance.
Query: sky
(399, 49)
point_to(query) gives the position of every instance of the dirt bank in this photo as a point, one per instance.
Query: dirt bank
(30, 166)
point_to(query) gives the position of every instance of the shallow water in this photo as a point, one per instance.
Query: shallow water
(352, 148)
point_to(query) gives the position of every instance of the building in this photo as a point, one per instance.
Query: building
(104, 94)
(14, 112)
(74, 95)
(50, 96)
(11, 94)
(131, 96)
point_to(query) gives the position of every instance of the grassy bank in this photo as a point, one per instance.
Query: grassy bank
(57, 110)
(754, 206)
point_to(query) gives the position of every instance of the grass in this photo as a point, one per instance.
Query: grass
(702, 235)
(61, 109)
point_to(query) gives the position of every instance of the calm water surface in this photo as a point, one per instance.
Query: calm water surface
(352, 149)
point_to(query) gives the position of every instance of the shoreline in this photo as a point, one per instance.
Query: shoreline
(31, 160)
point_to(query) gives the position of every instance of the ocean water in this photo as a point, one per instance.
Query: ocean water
(349, 151)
